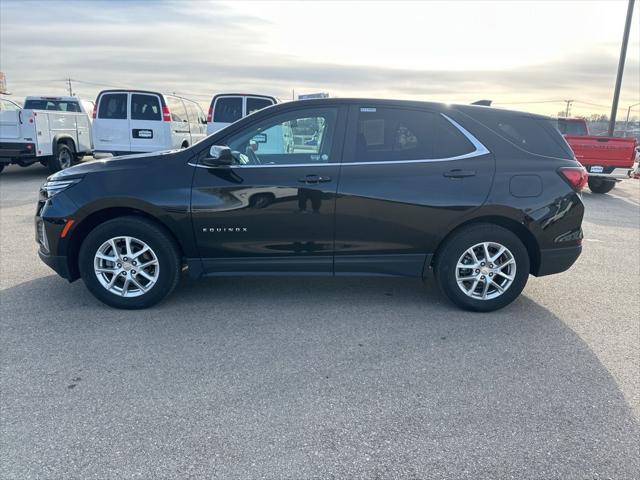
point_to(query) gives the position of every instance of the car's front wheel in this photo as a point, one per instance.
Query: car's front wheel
(129, 262)
(482, 267)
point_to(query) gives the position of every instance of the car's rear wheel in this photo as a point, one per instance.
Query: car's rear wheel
(482, 267)
(63, 158)
(129, 262)
(601, 185)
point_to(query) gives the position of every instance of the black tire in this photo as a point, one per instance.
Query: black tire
(601, 185)
(1, 167)
(447, 259)
(155, 237)
(63, 158)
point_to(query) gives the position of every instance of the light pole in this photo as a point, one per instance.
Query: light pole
(623, 54)
(626, 123)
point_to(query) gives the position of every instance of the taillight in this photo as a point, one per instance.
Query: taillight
(577, 177)
(210, 114)
(166, 114)
(95, 112)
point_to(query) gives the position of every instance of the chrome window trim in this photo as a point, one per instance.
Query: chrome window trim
(480, 150)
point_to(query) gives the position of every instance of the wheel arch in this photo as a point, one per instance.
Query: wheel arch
(83, 228)
(68, 140)
(525, 236)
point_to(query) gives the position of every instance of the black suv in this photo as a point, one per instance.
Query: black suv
(482, 196)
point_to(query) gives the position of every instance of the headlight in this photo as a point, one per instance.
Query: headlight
(53, 187)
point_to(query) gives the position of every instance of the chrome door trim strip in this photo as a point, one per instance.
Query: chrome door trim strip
(480, 150)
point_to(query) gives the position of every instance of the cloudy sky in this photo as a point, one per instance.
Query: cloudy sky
(512, 52)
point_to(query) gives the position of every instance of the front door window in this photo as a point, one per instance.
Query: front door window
(297, 137)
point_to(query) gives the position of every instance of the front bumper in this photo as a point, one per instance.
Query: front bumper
(556, 260)
(58, 264)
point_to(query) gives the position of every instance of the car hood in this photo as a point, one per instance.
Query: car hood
(113, 163)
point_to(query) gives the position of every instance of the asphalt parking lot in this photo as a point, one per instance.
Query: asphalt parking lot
(322, 378)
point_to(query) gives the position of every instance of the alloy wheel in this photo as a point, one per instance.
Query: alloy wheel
(486, 270)
(126, 266)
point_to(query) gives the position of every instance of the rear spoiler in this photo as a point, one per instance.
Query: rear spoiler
(484, 103)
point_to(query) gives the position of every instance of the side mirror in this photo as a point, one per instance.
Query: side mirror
(218, 156)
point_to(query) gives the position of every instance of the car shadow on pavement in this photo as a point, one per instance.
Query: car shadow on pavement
(16, 172)
(301, 378)
(618, 209)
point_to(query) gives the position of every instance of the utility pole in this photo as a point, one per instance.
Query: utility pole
(623, 55)
(626, 123)
(70, 90)
(566, 113)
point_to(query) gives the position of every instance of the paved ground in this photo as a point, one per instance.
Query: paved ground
(320, 378)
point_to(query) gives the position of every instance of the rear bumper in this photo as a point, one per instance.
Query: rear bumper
(618, 173)
(19, 151)
(556, 260)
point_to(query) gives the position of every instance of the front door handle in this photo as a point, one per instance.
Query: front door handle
(457, 173)
(314, 179)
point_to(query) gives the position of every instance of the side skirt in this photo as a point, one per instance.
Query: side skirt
(407, 265)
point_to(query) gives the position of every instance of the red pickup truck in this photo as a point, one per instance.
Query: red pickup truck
(607, 159)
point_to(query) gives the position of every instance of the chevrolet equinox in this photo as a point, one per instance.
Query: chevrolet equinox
(481, 196)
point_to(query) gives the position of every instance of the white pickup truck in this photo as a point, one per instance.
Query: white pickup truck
(55, 131)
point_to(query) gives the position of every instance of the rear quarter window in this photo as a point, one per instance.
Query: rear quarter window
(532, 134)
(113, 106)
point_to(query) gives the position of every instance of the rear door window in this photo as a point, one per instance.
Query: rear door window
(256, 103)
(227, 109)
(395, 134)
(113, 106)
(449, 141)
(145, 107)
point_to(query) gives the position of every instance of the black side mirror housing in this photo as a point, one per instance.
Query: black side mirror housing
(218, 156)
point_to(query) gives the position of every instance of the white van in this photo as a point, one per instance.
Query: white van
(227, 108)
(137, 121)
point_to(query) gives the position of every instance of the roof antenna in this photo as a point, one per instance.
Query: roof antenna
(484, 103)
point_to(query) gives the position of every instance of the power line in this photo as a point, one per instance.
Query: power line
(525, 103)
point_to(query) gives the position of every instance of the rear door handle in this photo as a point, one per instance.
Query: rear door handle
(457, 173)
(311, 179)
